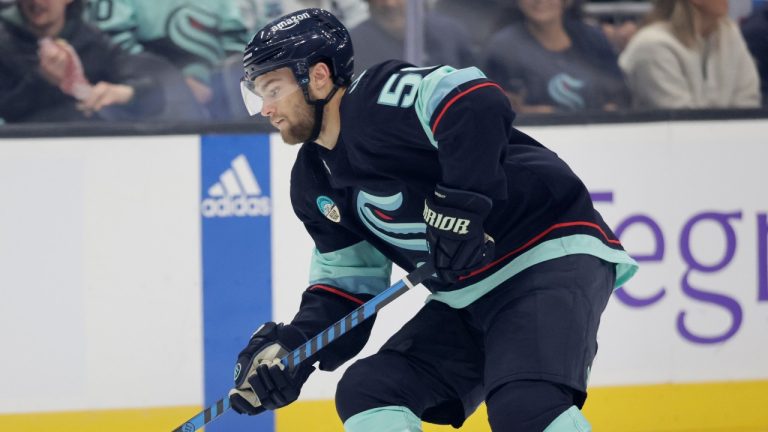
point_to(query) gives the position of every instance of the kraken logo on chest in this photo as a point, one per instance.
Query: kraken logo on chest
(405, 235)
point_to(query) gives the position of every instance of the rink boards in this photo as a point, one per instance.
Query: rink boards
(133, 269)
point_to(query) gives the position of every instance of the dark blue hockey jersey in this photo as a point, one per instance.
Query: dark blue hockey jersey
(405, 129)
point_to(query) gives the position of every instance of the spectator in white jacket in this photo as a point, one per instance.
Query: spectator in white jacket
(690, 55)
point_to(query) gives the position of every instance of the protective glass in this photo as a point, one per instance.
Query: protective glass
(268, 93)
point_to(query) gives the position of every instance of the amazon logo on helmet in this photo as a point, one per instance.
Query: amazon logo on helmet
(298, 40)
(289, 22)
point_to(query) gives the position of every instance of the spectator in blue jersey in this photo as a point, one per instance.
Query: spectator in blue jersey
(548, 59)
(195, 36)
(382, 37)
(755, 31)
(691, 55)
(421, 167)
(54, 67)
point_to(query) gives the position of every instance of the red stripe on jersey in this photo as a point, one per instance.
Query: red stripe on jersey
(382, 215)
(457, 97)
(537, 238)
(337, 292)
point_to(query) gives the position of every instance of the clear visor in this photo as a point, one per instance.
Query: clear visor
(257, 96)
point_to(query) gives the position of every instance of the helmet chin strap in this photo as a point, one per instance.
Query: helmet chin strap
(319, 105)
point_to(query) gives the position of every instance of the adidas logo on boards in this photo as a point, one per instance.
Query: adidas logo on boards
(236, 194)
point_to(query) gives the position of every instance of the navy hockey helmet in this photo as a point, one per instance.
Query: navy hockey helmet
(299, 40)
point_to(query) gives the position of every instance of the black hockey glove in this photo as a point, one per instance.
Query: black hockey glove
(261, 380)
(457, 243)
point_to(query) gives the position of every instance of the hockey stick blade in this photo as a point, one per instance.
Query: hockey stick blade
(344, 325)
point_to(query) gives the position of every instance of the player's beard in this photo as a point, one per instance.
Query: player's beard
(301, 124)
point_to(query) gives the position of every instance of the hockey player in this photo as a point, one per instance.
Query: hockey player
(413, 165)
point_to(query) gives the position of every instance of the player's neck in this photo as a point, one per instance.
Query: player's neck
(331, 128)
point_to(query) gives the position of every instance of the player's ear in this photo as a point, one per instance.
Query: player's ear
(320, 80)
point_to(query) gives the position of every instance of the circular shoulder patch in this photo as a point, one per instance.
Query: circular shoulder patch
(328, 208)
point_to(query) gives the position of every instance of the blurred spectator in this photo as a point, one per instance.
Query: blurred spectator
(54, 67)
(691, 55)
(382, 37)
(619, 34)
(617, 18)
(196, 36)
(257, 13)
(350, 12)
(549, 60)
(482, 16)
(755, 31)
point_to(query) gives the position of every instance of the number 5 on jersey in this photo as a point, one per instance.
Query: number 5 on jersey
(400, 90)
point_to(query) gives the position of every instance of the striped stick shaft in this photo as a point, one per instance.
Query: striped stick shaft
(205, 416)
(320, 341)
(344, 325)
(356, 317)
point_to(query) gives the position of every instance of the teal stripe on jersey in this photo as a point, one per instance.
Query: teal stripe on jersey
(435, 87)
(357, 269)
(441, 85)
(626, 267)
(384, 419)
(571, 420)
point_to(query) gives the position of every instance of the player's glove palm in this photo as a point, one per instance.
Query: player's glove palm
(455, 236)
(261, 380)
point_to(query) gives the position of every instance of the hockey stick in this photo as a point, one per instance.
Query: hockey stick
(318, 342)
